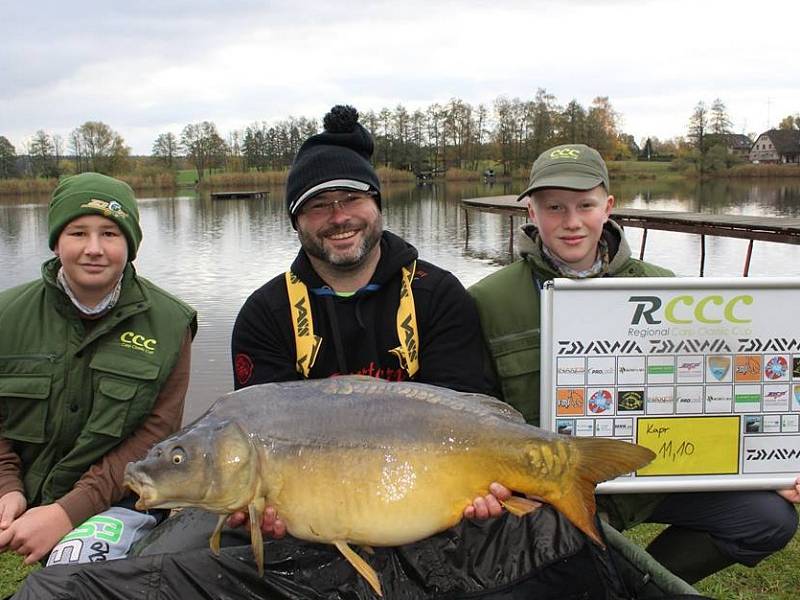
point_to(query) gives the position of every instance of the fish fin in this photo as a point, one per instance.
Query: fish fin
(603, 459)
(519, 506)
(597, 460)
(256, 541)
(360, 565)
(368, 549)
(213, 541)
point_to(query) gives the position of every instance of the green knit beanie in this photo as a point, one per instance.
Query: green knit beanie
(95, 194)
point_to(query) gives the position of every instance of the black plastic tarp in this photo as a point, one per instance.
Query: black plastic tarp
(541, 556)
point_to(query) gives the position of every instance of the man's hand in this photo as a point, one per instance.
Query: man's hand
(792, 494)
(489, 505)
(35, 533)
(271, 525)
(12, 505)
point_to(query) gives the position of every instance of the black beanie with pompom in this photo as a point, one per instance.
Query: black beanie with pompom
(336, 159)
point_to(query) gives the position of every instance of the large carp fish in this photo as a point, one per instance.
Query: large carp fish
(358, 460)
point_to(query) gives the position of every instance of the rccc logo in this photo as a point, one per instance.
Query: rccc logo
(565, 153)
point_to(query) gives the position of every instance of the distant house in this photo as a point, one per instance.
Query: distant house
(777, 146)
(737, 144)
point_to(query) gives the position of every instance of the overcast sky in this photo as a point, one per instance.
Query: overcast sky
(146, 67)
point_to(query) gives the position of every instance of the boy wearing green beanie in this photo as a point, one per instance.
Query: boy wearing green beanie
(95, 370)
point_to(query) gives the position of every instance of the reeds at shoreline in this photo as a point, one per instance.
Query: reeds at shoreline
(171, 180)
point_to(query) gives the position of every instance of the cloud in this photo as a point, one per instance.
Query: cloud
(148, 67)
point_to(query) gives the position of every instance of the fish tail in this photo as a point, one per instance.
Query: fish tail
(574, 466)
(601, 459)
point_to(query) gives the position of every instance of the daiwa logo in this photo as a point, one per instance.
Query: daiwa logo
(772, 454)
(136, 341)
(686, 309)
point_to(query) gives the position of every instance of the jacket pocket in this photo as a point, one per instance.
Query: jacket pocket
(23, 406)
(517, 363)
(117, 384)
(517, 354)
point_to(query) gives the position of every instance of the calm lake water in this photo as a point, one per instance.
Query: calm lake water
(214, 254)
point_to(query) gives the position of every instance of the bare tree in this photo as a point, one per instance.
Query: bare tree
(165, 149)
(102, 149)
(203, 146)
(698, 126)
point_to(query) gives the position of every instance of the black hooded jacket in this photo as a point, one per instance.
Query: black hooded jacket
(359, 331)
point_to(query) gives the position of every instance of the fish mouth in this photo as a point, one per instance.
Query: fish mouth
(141, 485)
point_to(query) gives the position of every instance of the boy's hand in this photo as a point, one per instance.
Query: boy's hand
(12, 505)
(792, 494)
(36, 532)
(271, 525)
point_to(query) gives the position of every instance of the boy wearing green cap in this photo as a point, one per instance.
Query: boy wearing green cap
(571, 235)
(94, 367)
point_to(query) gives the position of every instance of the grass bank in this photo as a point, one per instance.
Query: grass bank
(776, 578)
(162, 180)
(751, 170)
(256, 179)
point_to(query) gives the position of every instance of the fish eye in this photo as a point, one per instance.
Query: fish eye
(178, 456)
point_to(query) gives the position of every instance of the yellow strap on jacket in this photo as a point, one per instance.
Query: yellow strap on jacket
(408, 350)
(308, 344)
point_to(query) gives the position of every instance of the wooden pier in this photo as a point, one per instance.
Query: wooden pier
(783, 230)
(246, 195)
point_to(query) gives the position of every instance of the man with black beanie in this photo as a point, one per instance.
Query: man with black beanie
(356, 299)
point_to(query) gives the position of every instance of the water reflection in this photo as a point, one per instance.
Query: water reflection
(213, 254)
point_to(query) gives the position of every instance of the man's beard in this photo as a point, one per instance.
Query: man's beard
(314, 244)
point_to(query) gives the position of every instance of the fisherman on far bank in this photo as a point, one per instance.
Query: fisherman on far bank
(571, 235)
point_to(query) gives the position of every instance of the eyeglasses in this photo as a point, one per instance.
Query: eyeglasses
(351, 202)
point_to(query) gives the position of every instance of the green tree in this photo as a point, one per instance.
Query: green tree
(698, 126)
(457, 133)
(8, 159)
(99, 148)
(434, 131)
(504, 132)
(719, 122)
(255, 146)
(42, 154)
(203, 146)
(627, 148)
(544, 113)
(165, 149)
(572, 123)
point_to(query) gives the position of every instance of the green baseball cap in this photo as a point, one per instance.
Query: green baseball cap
(571, 166)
